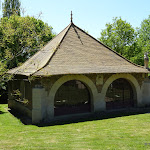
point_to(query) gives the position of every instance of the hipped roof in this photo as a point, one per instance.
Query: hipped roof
(73, 51)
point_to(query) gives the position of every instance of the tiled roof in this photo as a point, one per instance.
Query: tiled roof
(73, 51)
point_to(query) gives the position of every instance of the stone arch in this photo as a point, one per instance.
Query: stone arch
(90, 85)
(132, 80)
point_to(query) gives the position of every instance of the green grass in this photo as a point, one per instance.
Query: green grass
(125, 133)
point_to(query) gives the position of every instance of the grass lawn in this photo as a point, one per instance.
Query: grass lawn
(125, 133)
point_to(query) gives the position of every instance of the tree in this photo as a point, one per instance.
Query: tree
(121, 37)
(144, 35)
(143, 42)
(21, 37)
(11, 7)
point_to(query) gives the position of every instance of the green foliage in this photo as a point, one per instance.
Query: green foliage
(3, 76)
(144, 35)
(18, 97)
(11, 7)
(21, 37)
(122, 37)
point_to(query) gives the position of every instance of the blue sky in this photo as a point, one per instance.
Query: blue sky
(90, 15)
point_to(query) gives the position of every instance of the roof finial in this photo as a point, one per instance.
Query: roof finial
(71, 16)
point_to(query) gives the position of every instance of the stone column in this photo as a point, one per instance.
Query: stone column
(50, 107)
(37, 94)
(99, 103)
(146, 92)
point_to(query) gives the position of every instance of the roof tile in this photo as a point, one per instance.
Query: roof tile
(75, 52)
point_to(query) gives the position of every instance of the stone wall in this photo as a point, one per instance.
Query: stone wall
(20, 96)
(99, 80)
(43, 92)
(97, 85)
(20, 108)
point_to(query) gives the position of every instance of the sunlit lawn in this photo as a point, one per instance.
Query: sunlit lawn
(128, 133)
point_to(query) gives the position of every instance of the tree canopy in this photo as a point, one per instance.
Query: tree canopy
(144, 35)
(20, 38)
(120, 36)
(11, 7)
(127, 41)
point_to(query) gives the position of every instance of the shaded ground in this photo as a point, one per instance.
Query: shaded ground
(3, 96)
(98, 116)
(24, 119)
(89, 117)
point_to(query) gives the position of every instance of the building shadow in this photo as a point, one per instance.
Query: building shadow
(1, 112)
(3, 97)
(97, 116)
(82, 118)
(24, 119)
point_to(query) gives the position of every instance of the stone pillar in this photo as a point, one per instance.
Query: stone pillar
(99, 103)
(37, 94)
(50, 107)
(146, 92)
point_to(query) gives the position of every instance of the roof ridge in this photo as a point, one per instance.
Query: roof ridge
(55, 36)
(109, 48)
(41, 50)
(57, 46)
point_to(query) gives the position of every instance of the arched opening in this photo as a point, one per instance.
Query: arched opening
(120, 94)
(72, 97)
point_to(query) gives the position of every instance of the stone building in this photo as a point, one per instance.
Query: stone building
(75, 74)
